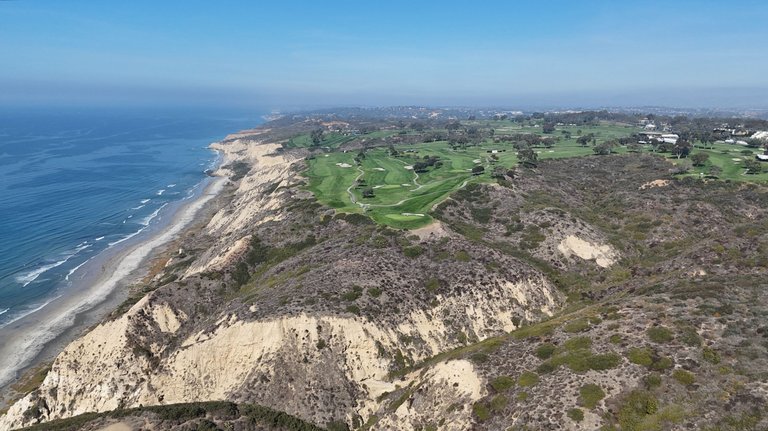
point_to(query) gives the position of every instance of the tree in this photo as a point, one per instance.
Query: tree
(392, 150)
(753, 166)
(368, 193)
(548, 142)
(477, 170)
(634, 147)
(584, 140)
(604, 148)
(714, 171)
(527, 157)
(548, 127)
(682, 148)
(499, 172)
(316, 136)
(699, 159)
(418, 126)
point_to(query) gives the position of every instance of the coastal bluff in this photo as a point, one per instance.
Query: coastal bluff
(290, 337)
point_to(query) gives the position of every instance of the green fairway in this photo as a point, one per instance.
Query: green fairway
(730, 159)
(403, 198)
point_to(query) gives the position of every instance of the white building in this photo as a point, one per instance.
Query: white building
(670, 138)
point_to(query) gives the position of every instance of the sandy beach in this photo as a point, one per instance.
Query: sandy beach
(98, 287)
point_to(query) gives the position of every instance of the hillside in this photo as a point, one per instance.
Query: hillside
(578, 291)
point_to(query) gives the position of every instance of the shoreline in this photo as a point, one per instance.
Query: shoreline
(104, 285)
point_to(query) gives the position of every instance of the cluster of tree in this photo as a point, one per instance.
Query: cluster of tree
(368, 192)
(428, 162)
(753, 166)
(527, 157)
(317, 136)
(584, 140)
(360, 157)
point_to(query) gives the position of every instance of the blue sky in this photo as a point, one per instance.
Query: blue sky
(292, 53)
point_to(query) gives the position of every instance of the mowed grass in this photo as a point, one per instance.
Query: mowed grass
(729, 158)
(402, 199)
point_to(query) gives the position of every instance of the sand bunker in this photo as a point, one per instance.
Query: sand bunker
(409, 167)
(413, 214)
(380, 169)
(603, 255)
(120, 426)
(343, 165)
(434, 230)
(654, 183)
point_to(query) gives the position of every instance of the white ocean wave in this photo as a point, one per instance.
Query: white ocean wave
(28, 312)
(4, 311)
(127, 237)
(99, 238)
(160, 192)
(72, 271)
(143, 201)
(146, 220)
(30, 276)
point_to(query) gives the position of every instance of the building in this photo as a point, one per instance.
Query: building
(670, 138)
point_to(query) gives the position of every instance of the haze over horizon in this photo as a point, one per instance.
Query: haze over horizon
(239, 54)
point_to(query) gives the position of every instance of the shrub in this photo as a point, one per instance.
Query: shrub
(545, 351)
(662, 363)
(659, 334)
(374, 292)
(528, 379)
(353, 294)
(432, 284)
(690, 337)
(462, 256)
(502, 383)
(590, 394)
(576, 414)
(412, 252)
(604, 361)
(710, 355)
(615, 339)
(546, 367)
(685, 378)
(637, 406)
(652, 380)
(640, 356)
(481, 411)
(578, 343)
(498, 403)
(578, 325)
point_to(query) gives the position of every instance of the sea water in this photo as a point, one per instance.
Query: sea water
(76, 183)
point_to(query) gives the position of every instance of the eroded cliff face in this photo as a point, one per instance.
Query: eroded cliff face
(198, 338)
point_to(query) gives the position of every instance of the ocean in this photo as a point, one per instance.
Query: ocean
(74, 184)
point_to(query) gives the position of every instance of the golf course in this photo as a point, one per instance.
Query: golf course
(400, 197)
